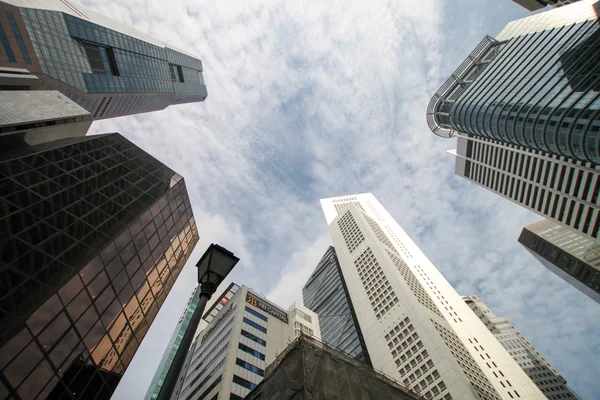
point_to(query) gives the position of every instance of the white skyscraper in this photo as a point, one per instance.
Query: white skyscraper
(416, 327)
(550, 382)
(245, 333)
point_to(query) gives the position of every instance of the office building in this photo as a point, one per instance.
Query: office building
(317, 371)
(573, 257)
(93, 234)
(416, 327)
(165, 362)
(534, 86)
(562, 190)
(547, 379)
(106, 67)
(533, 5)
(326, 294)
(245, 333)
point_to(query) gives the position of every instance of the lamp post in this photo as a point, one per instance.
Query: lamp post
(214, 265)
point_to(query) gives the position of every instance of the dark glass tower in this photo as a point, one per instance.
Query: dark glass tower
(93, 234)
(534, 86)
(570, 255)
(326, 294)
(108, 68)
(167, 360)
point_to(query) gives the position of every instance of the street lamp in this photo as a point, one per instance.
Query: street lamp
(214, 266)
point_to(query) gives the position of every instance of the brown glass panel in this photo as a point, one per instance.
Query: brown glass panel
(36, 381)
(78, 305)
(70, 289)
(105, 299)
(43, 315)
(117, 326)
(123, 239)
(131, 307)
(94, 336)
(120, 281)
(111, 312)
(91, 270)
(54, 331)
(98, 284)
(129, 351)
(64, 347)
(18, 369)
(109, 253)
(114, 267)
(103, 353)
(14, 346)
(87, 320)
(127, 253)
(49, 387)
(78, 352)
(148, 264)
(126, 295)
(138, 278)
(133, 266)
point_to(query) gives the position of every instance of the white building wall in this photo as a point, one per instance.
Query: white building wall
(267, 345)
(393, 286)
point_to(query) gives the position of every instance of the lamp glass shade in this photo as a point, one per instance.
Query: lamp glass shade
(216, 263)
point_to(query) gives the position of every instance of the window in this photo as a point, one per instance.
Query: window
(255, 325)
(254, 338)
(176, 73)
(243, 382)
(249, 367)
(101, 59)
(6, 45)
(251, 351)
(256, 314)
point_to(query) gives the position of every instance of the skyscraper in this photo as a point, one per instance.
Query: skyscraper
(245, 333)
(547, 379)
(560, 189)
(573, 257)
(93, 234)
(165, 362)
(533, 5)
(326, 294)
(533, 86)
(416, 328)
(106, 67)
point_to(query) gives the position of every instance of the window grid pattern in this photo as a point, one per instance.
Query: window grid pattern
(415, 286)
(542, 99)
(467, 363)
(563, 190)
(18, 37)
(99, 231)
(381, 295)
(326, 294)
(350, 231)
(6, 45)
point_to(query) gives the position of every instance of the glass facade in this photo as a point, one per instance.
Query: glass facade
(535, 86)
(106, 71)
(173, 345)
(94, 233)
(326, 294)
(572, 256)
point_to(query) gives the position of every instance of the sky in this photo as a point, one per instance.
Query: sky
(314, 99)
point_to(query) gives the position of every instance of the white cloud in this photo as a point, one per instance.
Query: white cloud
(319, 99)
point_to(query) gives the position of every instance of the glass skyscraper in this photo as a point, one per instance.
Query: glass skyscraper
(326, 294)
(533, 5)
(535, 86)
(93, 233)
(165, 363)
(106, 67)
(570, 255)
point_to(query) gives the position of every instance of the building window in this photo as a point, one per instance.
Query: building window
(243, 382)
(6, 45)
(176, 73)
(251, 351)
(249, 367)
(17, 33)
(101, 59)
(255, 325)
(257, 314)
(254, 338)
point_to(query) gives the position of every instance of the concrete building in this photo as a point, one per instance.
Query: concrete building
(309, 369)
(94, 231)
(416, 327)
(570, 255)
(547, 379)
(108, 68)
(326, 294)
(245, 333)
(533, 5)
(525, 108)
(165, 362)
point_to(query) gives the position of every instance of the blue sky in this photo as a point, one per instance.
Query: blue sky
(317, 99)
